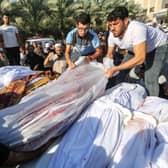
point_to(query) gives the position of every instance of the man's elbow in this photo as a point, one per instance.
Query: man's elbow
(139, 59)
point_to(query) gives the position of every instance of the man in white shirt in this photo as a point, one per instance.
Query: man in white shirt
(10, 40)
(148, 44)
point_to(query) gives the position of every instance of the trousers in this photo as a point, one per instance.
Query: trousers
(153, 64)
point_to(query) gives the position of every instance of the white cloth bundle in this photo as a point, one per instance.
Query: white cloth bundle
(159, 158)
(156, 107)
(123, 129)
(11, 73)
(130, 96)
(92, 139)
(95, 137)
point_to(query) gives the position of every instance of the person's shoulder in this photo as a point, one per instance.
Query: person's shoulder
(135, 23)
(91, 31)
(13, 27)
(93, 35)
(71, 36)
(136, 27)
(2, 27)
(74, 30)
(8, 27)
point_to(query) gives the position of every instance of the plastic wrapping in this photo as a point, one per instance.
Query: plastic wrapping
(48, 111)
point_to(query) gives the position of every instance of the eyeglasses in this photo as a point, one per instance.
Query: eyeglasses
(83, 29)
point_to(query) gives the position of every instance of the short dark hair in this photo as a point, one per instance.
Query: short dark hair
(120, 12)
(5, 14)
(83, 18)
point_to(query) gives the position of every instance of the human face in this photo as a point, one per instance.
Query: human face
(82, 29)
(59, 50)
(5, 19)
(118, 27)
(30, 49)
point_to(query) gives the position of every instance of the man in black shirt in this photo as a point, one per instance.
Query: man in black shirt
(33, 60)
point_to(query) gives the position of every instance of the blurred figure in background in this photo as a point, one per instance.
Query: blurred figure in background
(39, 50)
(3, 59)
(56, 59)
(22, 55)
(10, 40)
(34, 61)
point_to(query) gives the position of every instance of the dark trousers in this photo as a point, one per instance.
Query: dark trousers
(13, 55)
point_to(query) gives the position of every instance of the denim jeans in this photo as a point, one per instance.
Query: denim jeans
(153, 64)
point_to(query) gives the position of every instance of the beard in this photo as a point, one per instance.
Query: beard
(115, 34)
(119, 33)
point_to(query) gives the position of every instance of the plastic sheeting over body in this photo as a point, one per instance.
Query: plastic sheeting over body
(51, 109)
